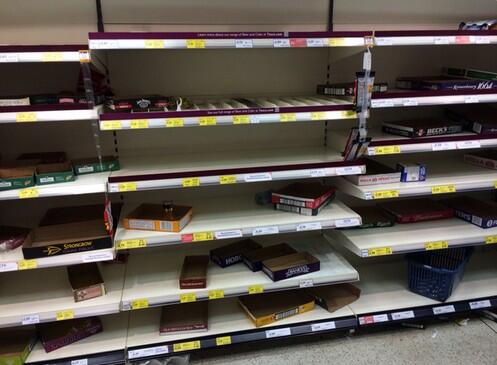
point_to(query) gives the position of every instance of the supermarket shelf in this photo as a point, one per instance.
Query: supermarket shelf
(403, 238)
(228, 325)
(233, 40)
(434, 37)
(152, 275)
(409, 98)
(194, 169)
(43, 53)
(47, 113)
(14, 260)
(385, 144)
(236, 217)
(103, 348)
(84, 184)
(444, 176)
(385, 297)
(34, 296)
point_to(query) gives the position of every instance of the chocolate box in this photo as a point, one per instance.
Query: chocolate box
(373, 217)
(55, 335)
(52, 173)
(184, 318)
(16, 177)
(12, 237)
(478, 212)
(289, 266)
(194, 272)
(411, 171)
(481, 118)
(302, 210)
(416, 210)
(231, 254)
(486, 159)
(85, 166)
(334, 297)
(253, 259)
(308, 195)
(444, 83)
(347, 89)
(422, 127)
(376, 174)
(16, 344)
(14, 101)
(154, 217)
(264, 309)
(86, 281)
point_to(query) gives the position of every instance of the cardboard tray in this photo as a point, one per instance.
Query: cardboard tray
(307, 195)
(194, 272)
(92, 165)
(86, 281)
(373, 217)
(16, 344)
(416, 210)
(152, 217)
(478, 212)
(289, 266)
(16, 177)
(254, 259)
(36, 158)
(184, 318)
(231, 254)
(54, 173)
(486, 159)
(334, 297)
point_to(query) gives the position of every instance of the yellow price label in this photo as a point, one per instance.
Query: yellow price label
(227, 179)
(84, 56)
(27, 264)
(139, 123)
(241, 119)
(107, 125)
(186, 346)
(348, 114)
(318, 115)
(128, 244)
(255, 289)
(204, 121)
(336, 42)
(288, 117)
(187, 298)
(443, 189)
(174, 122)
(52, 56)
(29, 193)
(380, 251)
(222, 341)
(195, 43)
(154, 43)
(191, 182)
(26, 117)
(123, 187)
(490, 240)
(139, 304)
(203, 236)
(385, 194)
(386, 150)
(436, 245)
(64, 315)
(216, 294)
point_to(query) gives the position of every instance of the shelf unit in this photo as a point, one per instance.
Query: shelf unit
(47, 113)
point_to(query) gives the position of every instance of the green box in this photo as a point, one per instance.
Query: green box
(52, 173)
(16, 177)
(15, 345)
(92, 165)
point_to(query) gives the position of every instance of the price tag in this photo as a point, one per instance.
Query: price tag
(323, 326)
(128, 244)
(278, 332)
(258, 176)
(191, 182)
(471, 99)
(186, 346)
(30, 319)
(409, 102)
(98, 256)
(386, 150)
(347, 222)
(174, 122)
(385, 194)
(402, 315)
(154, 43)
(107, 125)
(150, 351)
(288, 117)
(441, 40)
(317, 173)
(8, 266)
(281, 43)
(348, 114)
(318, 115)
(234, 233)
(222, 341)
(380, 251)
(443, 146)
(482, 40)
(52, 57)
(379, 41)
(9, 57)
(123, 187)
(436, 245)
(244, 43)
(29, 193)
(265, 230)
(203, 236)
(227, 179)
(27, 264)
(373, 319)
(139, 123)
(241, 119)
(382, 103)
(489, 240)
(64, 315)
(480, 304)
(444, 309)
(205, 121)
(443, 189)
(79, 362)
(26, 117)
(308, 226)
(139, 304)
(463, 39)
(187, 298)
(306, 283)
(216, 294)
(195, 43)
(315, 42)
(336, 42)
(104, 44)
(84, 56)
(255, 289)
(348, 170)
(468, 144)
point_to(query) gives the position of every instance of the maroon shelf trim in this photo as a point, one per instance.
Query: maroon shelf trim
(42, 108)
(398, 94)
(43, 48)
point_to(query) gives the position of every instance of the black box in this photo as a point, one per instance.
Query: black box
(254, 259)
(231, 254)
(289, 266)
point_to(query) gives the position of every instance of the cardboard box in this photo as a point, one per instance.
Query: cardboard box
(373, 217)
(14, 101)
(19, 177)
(376, 174)
(86, 281)
(486, 159)
(231, 254)
(264, 309)
(254, 259)
(194, 272)
(12, 237)
(55, 335)
(410, 172)
(422, 127)
(289, 266)
(416, 210)
(85, 166)
(36, 158)
(480, 213)
(184, 318)
(154, 217)
(54, 173)
(307, 195)
(16, 344)
(334, 297)
(480, 118)
(302, 210)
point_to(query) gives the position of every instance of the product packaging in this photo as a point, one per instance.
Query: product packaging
(422, 127)
(86, 281)
(253, 259)
(487, 159)
(373, 217)
(334, 297)
(480, 213)
(184, 318)
(16, 177)
(416, 210)
(52, 173)
(231, 254)
(85, 166)
(481, 119)
(376, 174)
(347, 89)
(156, 217)
(302, 210)
(16, 344)
(444, 83)
(470, 73)
(411, 171)
(289, 266)
(307, 195)
(12, 237)
(194, 272)
(14, 101)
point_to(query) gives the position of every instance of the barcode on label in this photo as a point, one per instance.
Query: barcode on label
(402, 315)
(243, 43)
(150, 351)
(278, 332)
(443, 146)
(315, 42)
(79, 362)
(347, 222)
(306, 283)
(323, 326)
(308, 226)
(480, 304)
(235, 233)
(265, 230)
(348, 170)
(317, 172)
(262, 176)
(281, 43)
(444, 309)
(95, 257)
(468, 144)
(30, 319)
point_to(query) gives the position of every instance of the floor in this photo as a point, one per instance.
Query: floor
(454, 342)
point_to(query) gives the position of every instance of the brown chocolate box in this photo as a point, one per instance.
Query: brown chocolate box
(194, 272)
(86, 281)
(289, 266)
(253, 259)
(184, 318)
(334, 297)
(153, 217)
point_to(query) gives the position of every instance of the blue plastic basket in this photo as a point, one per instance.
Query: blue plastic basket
(435, 274)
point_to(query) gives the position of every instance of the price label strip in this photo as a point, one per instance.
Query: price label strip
(203, 236)
(174, 122)
(154, 43)
(241, 119)
(437, 245)
(288, 117)
(191, 182)
(64, 315)
(26, 117)
(188, 298)
(385, 194)
(139, 304)
(186, 346)
(223, 341)
(205, 121)
(27, 264)
(216, 294)
(490, 240)
(130, 244)
(386, 150)
(380, 251)
(107, 125)
(195, 43)
(227, 179)
(255, 289)
(139, 123)
(29, 193)
(124, 187)
(443, 189)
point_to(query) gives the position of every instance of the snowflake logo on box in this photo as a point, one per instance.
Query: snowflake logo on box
(297, 271)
